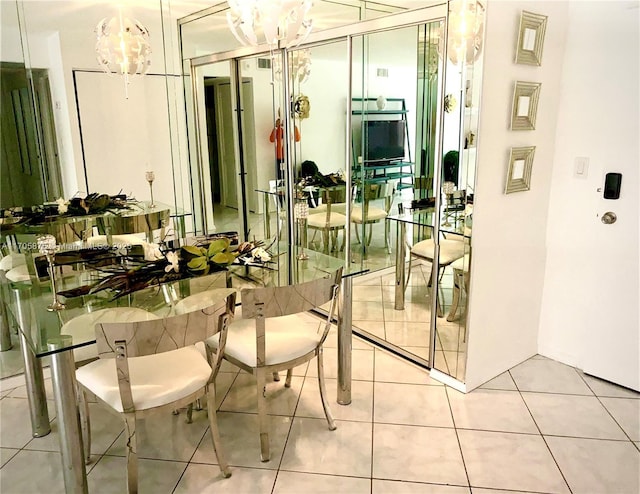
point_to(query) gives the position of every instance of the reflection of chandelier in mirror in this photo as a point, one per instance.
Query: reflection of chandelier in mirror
(283, 22)
(123, 47)
(299, 66)
(464, 42)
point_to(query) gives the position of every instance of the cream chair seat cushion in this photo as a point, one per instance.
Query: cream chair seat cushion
(319, 220)
(450, 250)
(461, 264)
(374, 214)
(202, 300)
(156, 380)
(19, 273)
(287, 338)
(82, 328)
(10, 261)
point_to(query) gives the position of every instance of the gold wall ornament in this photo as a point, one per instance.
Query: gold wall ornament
(301, 107)
(531, 38)
(450, 103)
(525, 105)
(519, 171)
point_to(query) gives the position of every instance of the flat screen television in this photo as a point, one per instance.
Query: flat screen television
(384, 140)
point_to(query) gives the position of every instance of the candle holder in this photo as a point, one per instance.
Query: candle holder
(447, 190)
(47, 246)
(301, 211)
(150, 176)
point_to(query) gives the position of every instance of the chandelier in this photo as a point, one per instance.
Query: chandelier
(123, 47)
(299, 66)
(465, 34)
(282, 22)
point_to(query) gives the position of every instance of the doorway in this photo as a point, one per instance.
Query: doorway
(29, 161)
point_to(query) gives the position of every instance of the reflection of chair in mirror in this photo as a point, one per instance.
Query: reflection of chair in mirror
(460, 282)
(153, 366)
(368, 214)
(276, 340)
(450, 251)
(328, 219)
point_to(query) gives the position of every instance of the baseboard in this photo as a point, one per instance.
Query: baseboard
(448, 380)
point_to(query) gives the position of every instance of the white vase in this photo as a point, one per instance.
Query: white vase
(381, 102)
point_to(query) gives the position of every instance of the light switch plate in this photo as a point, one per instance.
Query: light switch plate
(581, 167)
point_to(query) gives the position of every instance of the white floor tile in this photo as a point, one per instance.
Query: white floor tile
(166, 436)
(15, 423)
(207, 479)
(367, 311)
(361, 365)
(548, 376)
(417, 454)
(389, 368)
(295, 483)
(503, 381)
(510, 461)
(604, 388)
(360, 409)
(243, 395)
(367, 293)
(33, 472)
(596, 466)
(241, 440)
(403, 334)
(411, 313)
(491, 410)
(395, 486)
(411, 404)
(6, 454)
(313, 448)
(577, 416)
(627, 413)
(109, 476)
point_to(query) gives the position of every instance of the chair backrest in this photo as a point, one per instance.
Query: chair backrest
(422, 186)
(163, 335)
(263, 303)
(276, 301)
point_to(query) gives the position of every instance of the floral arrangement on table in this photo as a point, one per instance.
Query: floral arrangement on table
(165, 265)
(94, 203)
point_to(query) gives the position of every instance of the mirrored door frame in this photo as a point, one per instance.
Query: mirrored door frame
(437, 12)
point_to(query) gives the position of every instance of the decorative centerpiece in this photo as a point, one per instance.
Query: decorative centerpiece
(166, 265)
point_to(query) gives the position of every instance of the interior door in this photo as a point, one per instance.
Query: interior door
(226, 146)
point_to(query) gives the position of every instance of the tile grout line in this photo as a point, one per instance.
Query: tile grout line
(373, 421)
(605, 407)
(453, 419)
(541, 435)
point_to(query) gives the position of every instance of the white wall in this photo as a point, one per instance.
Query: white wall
(509, 231)
(590, 304)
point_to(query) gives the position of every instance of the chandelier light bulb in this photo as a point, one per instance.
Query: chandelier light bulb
(282, 22)
(465, 36)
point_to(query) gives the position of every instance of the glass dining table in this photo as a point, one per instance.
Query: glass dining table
(422, 223)
(40, 331)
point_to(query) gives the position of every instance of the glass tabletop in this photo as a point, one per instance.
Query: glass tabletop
(29, 301)
(425, 218)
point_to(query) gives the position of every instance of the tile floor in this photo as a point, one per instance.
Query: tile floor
(541, 427)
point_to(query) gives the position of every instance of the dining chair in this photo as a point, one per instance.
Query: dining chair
(151, 366)
(460, 282)
(368, 214)
(268, 338)
(329, 217)
(450, 250)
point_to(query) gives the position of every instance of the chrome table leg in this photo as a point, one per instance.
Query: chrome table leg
(345, 334)
(400, 259)
(69, 431)
(33, 377)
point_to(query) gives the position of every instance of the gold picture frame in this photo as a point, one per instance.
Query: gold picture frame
(531, 38)
(525, 105)
(519, 172)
